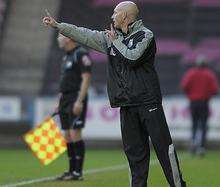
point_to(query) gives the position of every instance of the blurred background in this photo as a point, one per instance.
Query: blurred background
(30, 64)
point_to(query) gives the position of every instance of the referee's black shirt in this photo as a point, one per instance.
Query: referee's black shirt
(75, 62)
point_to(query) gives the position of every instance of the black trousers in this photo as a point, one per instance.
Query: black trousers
(67, 118)
(138, 123)
(199, 113)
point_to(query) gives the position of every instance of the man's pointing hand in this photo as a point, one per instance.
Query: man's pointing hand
(111, 33)
(49, 21)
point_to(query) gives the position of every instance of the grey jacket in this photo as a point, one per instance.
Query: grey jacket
(132, 79)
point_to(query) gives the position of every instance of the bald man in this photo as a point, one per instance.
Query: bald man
(133, 86)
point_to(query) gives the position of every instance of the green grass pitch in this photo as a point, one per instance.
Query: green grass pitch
(105, 168)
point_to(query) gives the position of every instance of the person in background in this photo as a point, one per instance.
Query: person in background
(199, 84)
(74, 84)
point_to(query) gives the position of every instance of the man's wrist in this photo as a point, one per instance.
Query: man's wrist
(56, 25)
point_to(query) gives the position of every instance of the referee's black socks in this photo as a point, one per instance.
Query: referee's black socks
(79, 148)
(76, 154)
(71, 156)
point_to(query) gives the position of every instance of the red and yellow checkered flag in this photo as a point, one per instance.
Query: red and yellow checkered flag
(46, 141)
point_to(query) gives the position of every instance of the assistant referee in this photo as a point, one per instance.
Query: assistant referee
(74, 84)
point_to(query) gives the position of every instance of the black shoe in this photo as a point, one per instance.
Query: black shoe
(183, 184)
(66, 176)
(77, 176)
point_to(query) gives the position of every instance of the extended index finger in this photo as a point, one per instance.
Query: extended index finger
(48, 13)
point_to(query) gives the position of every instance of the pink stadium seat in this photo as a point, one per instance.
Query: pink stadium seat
(212, 42)
(113, 3)
(172, 47)
(208, 47)
(161, 1)
(106, 2)
(206, 3)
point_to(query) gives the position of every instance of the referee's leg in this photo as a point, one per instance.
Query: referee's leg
(136, 146)
(162, 142)
(77, 125)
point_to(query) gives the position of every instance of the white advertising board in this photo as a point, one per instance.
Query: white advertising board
(103, 122)
(10, 109)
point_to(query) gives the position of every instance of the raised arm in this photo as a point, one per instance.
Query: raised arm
(94, 39)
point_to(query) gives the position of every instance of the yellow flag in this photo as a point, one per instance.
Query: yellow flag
(46, 141)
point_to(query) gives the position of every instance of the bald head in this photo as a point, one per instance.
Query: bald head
(130, 8)
(66, 43)
(125, 13)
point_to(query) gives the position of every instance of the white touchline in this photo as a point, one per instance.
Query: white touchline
(86, 172)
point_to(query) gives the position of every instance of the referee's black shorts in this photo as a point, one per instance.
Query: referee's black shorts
(67, 118)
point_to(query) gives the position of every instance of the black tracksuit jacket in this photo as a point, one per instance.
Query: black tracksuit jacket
(132, 79)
